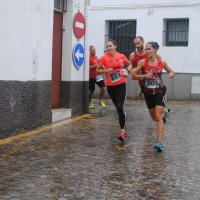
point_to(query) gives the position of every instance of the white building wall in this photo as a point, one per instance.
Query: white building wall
(26, 39)
(149, 16)
(69, 71)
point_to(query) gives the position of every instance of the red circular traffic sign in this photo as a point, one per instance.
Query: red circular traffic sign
(79, 25)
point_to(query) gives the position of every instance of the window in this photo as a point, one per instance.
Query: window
(176, 32)
(123, 32)
(60, 5)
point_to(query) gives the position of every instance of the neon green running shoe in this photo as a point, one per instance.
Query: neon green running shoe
(102, 104)
(91, 105)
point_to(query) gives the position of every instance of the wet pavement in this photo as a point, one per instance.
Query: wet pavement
(79, 158)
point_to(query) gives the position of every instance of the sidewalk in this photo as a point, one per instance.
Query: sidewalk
(79, 158)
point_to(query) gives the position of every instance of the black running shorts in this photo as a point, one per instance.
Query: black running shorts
(153, 100)
(92, 83)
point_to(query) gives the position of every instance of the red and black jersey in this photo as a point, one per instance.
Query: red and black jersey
(153, 85)
(136, 59)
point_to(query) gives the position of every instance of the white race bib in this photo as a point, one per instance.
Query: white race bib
(152, 83)
(116, 76)
(98, 78)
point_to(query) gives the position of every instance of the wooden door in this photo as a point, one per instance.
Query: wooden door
(57, 59)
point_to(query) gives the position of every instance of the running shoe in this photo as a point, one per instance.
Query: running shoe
(140, 93)
(122, 136)
(159, 146)
(102, 104)
(91, 105)
(165, 114)
(166, 111)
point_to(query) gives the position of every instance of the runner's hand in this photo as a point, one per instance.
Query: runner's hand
(109, 70)
(149, 75)
(171, 74)
(124, 72)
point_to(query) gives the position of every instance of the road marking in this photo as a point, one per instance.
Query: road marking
(41, 129)
(12, 150)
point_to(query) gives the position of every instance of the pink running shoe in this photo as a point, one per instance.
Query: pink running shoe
(122, 136)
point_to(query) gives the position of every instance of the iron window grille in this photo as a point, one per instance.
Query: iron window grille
(176, 32)
(60, 5)
(123, 32)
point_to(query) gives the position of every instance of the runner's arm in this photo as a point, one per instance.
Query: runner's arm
(169, 71)
(135, 71)
(93, 66)
(100, 70)
(131, 59)
(128, 65)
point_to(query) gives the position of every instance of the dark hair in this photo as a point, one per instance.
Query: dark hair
(140, 37)
(113, 41)
(155, 45)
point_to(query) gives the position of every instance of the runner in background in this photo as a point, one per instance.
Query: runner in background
(136, 56)
(111, 64)
(154, 89)
(95, 79)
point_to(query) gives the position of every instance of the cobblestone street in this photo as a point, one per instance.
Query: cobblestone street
(79, 158)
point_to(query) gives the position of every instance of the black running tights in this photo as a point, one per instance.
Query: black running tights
(118, 95)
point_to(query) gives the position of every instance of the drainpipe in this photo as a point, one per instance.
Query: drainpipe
(86, 60)
(86, 46)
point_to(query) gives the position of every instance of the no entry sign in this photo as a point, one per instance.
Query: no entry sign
(79, 25)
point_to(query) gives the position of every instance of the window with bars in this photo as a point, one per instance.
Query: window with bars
(123, 32)
(60, 5)
(176, 32)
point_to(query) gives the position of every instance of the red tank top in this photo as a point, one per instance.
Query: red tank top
(136, 59)
(153, 85)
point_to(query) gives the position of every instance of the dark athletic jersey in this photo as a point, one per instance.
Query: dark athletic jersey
(153, 85)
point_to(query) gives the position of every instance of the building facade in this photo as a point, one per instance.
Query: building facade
(172, 24)
(39, 78)
(44, 59)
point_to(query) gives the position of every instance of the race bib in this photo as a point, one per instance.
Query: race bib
(98, 78)
(152, 83)
(115, 76)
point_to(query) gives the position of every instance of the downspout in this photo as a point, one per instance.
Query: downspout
(86, 60)
(86, 46)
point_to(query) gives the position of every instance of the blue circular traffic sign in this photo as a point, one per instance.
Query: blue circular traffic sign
(78, 55)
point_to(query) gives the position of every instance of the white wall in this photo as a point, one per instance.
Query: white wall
(149, 16)
(26, 39)
(145, 3)
(69, 71)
